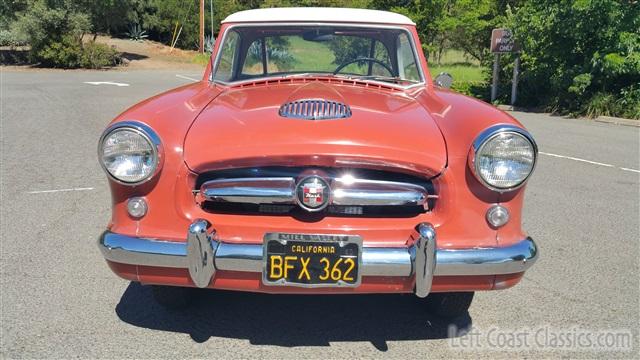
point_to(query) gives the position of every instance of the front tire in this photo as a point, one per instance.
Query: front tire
(172, 297)
(449, 305)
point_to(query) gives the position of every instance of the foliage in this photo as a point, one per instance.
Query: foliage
(445, 24)
(68, 53)
(107, 16)
(578, 55)
(43, 25)
(209, 43)
(96, 56)
(55, 31)
(136, 33)
(277, 52)
(9, 9)
(347, 48)
(11, 38)
(201, 59)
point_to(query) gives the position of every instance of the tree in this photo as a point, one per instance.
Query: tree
(575, 51)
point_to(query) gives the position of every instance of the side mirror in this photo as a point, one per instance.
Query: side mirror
(443, 80)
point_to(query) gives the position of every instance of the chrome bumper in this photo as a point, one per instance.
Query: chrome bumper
(203, 255)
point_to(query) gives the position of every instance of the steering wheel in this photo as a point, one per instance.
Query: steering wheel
(368, 59)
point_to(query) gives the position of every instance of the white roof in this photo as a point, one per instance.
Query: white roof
(318, 14)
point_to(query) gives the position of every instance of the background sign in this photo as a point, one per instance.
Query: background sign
(502, 41)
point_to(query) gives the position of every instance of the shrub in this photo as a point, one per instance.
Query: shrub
(71, 54)
(629, 101)
(96, 56)
(11, 38)
(477, 89)
(577, 56)
(56, 37)
(136, 33)
(66, 53)
(601, 104)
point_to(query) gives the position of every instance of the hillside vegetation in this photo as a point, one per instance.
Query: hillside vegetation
(578, 57)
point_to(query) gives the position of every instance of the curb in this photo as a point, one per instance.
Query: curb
(601, 119)
(617, 121)
(518, 108)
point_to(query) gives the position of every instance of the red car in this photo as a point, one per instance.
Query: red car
(317, 156)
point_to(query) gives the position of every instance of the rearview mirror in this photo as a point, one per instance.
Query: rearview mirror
(443, 80)
(317, 35)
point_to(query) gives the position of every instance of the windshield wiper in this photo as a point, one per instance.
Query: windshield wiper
(286, 76)
(394, 79)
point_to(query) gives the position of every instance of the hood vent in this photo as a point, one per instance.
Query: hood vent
(315, 109)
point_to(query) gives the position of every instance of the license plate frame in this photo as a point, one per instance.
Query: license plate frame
(340, 241)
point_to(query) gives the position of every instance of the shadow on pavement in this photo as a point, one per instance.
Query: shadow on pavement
(291, 320)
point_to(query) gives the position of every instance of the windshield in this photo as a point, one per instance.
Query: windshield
(380, 54)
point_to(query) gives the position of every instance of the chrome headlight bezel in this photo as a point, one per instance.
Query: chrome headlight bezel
(484, 138)
(145, 132)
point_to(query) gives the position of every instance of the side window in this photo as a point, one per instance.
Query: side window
(253, 61)
(224, 71)
(406, 59)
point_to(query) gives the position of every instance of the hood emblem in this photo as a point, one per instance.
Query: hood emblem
(315, 109)
(312, 193)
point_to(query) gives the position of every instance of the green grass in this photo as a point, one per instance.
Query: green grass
(460, 72)
(201, 59)
(455, 57)
(462, 67)
(466, 72)
(311, 55)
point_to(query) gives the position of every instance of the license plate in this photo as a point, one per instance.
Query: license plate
(311, 260)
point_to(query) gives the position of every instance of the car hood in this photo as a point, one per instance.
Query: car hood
(242, 127)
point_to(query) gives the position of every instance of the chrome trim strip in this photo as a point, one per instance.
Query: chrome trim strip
(376, 261)
(378, 193)
(239, 257)
(487, 261)
(270, 190)
(352, 192)
(142, 251)
(386, 262)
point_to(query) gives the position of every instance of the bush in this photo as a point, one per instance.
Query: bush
(65, 54)
(577, 56)
(477, 89)
(629, 102)
(96, 56)
(71, 54)
(11, 38)
(601, 104)
(55, 33)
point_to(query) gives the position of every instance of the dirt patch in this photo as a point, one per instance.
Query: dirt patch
(152, 55)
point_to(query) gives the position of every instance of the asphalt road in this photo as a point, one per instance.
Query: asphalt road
(59, 299)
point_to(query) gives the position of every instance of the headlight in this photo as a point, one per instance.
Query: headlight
(130, 152)
(503, 157)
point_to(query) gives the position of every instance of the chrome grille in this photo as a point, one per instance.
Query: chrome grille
(351, 192)
(315, 109)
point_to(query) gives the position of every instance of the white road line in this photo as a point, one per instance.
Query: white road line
(588, 161)
(627, 169)
(187, 78)
(576, 159)
(106, 83)
(59, 190)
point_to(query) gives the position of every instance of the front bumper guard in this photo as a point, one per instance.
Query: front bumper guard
(203, 255)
